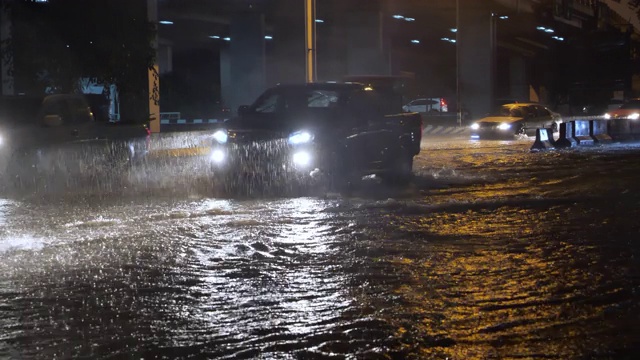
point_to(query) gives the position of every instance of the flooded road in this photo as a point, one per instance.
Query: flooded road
(492, 252)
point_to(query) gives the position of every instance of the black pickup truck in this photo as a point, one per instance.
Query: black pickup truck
(346, 130)
(41, 136)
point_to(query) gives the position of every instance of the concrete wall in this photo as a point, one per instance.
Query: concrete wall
(5, 68)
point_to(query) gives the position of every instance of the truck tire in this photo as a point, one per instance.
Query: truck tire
(402, 171)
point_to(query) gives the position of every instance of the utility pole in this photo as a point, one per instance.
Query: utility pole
(154, 73)
(458, 99)
(310, 39)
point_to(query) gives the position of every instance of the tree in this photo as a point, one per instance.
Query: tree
(56, 43)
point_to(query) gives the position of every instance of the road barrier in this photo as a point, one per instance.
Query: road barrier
(181, 125)
(565, 139)
(544, 140)
(581, 132)
(190, 121)
(594, 131)
(620, 129)
(599, 132)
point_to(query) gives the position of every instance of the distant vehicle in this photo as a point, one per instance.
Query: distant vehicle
(628, 110)
(305, 131)
(426, 105)
(36, 131)
(515, 119)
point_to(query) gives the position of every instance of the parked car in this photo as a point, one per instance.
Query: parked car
(515, 119)
(628, 110)
(426, 105)
(58, 133)
(307, 131)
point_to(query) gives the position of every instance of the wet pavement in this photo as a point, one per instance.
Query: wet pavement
(492, 252)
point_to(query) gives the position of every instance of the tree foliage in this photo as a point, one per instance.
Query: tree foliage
(56, 43)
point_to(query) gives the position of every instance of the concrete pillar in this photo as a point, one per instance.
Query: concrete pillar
(364, 22)
(287, 63)
(6, 68)
(518, 78)
(154, 73)
(226, 86)
(165, 57)
(476, 56)
(247, 59)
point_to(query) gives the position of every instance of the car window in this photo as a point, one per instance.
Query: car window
(512, 111)
(530, 111)
(418, 102)
(542, 111)
(323, 99)
(268, 102)
(516, 112)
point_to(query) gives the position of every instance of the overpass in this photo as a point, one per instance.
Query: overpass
(474, 51)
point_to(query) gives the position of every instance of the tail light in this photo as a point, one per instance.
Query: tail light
(443, 105)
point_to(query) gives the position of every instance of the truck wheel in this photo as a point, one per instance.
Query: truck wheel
(402, 171)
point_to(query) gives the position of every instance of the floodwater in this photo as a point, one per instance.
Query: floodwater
(492, 252)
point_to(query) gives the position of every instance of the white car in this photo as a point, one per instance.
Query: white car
(425, 105)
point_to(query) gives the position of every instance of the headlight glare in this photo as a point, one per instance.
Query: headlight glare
(504, 126)
(634, 116)
(475, 126)
(221, 136)
(302, 158)
(607, 116)
(300, 137)
(217, 156)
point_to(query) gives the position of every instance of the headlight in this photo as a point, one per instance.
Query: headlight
(607, 116)
(302, 158)
(634, 116)
(504, 126)
(221, 136)
(475, 126)
(300, 137)
(217, 156)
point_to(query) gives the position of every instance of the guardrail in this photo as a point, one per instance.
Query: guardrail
(588, 131)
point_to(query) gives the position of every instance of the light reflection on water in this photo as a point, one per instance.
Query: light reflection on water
(511, 265)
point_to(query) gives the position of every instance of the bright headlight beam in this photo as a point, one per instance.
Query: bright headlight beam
(607, 116)
(475, 126)
(302, 158)
(301, 137)
(504, 126)
(634, 116)
(217, 156)
(221, 136)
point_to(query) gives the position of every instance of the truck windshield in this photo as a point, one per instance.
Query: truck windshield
(296, 100)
